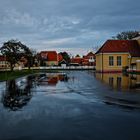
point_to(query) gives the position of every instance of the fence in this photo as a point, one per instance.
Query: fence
(68, 68)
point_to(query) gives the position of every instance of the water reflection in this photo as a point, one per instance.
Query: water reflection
(52, 79)
(19, 92)
(120, 81)
(78, 112)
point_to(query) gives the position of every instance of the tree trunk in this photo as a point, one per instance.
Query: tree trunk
(29, 67)
(11, 67)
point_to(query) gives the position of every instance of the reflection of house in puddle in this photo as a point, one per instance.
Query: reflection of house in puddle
(53, 79)
(120, 81)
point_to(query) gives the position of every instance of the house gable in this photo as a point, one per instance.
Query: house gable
(121, 46)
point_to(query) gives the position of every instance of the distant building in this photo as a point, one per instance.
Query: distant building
(3, 62)
(48, 58)
(76, 61)
(89, 59)
(61, 61)
(86, 60)
(117, 55)
(22, 63)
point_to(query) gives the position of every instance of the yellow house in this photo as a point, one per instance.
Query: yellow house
(138, 61)
(118, 55)
(138, 65)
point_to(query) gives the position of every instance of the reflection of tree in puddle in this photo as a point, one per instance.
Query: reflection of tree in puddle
(16, 96)
(18, 93)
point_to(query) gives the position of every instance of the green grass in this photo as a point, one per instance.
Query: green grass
(8, 75)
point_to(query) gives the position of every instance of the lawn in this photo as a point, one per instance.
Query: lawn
(8, 75)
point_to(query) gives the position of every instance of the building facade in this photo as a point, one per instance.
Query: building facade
(3, 62)
(117, 55)
(89, 59)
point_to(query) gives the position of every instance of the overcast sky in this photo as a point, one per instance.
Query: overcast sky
(75, 26)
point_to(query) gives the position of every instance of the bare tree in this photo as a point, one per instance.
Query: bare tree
(126, 35)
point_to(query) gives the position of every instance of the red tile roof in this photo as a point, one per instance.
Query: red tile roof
(89, 55)
(77, 60)
(49, 55)
(121, 46)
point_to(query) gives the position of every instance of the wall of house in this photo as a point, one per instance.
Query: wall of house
(51, 63)
(98, 62)
(19, 64)
(134, 59)
(104, 67)
(138, 65)
(4, 64)
(138, 78)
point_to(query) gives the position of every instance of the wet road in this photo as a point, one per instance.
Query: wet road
(77, 105)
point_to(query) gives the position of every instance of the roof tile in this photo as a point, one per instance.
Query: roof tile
(49, 55)
(121, 46)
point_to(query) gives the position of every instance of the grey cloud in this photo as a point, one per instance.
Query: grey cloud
(66, 23)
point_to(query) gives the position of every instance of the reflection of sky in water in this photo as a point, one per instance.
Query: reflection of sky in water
(83, 86)
(81, 102)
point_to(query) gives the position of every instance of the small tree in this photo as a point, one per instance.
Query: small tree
(126, 35)
(28, 54)
(66, 57)
(35, 57)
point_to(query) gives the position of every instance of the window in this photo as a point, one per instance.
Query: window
(111, 60)
(119, 60)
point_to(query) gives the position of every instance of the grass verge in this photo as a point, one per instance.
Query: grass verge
(8, 75)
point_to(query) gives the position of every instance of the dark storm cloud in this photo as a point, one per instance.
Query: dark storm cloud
(66, 23)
